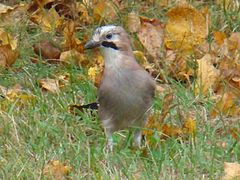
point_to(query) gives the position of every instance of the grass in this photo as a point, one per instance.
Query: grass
(44, 130)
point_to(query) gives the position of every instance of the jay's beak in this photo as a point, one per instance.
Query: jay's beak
(91, 44)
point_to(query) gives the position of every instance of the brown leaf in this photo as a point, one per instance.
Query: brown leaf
(51, 85)
(219, 37)
(186, 27)
(234, 42)
(70, 40)
(46, 50)
(48, 20)
(171, 131)
(57, 170)
(7, 39)
(74, 57)
(12, 15)
(231, 171)
(7, 56)
(133, 22)
(104, 10)
(208, 75)
(226, 105)
(190, 126)
(17, 95)
(151, 35)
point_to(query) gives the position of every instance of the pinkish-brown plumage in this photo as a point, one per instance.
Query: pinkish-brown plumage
(126, 92)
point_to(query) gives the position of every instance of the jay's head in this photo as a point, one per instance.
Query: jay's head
(114, 37)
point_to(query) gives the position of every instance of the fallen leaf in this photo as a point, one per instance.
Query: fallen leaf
(207, 75)
(234, 41)
(84, 18)
(46, 50)
(12, 15)
(186, 28)
(49, 20)
(231, 171)
(171, 131)
(17, 95)
(7, 56)
(57, 170)
(7, 39)
(150, 35)
(133, 22)
(219, 37)
(74, 57)
(51, 85)
(70, 39)
(104, 10)
(226, 105)
(190, 126)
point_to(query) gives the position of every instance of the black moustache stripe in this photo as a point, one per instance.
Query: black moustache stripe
(109, 45)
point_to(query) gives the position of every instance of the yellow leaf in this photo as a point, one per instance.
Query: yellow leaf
(12, 15)
(219, 37)
(233, 42)
(51, 85)
(190, 126)
(7, 39)
(207, 76)
(70, 40)
(15, 94)
(133, 22)
(48, 20)
(171, 131)
(7, 56)
(231, 171)
(74, 57)
(4, 8)
(186, 27)
(104, 10)
(57, 170)
(226, 105)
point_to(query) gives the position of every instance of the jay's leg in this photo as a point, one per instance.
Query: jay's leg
(109, 145)
(138, 138)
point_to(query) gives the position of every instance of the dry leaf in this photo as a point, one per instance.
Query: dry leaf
(151, 35)
(7, 39)
(207, 76)
(219, 37)
(17, 95)
(226, 105)
(186, 27)
(46, 50)
(12, 15)
(133, 22)
(234, 41)
(231, 171)
(84, 17)
(190, 126)
(104, 10)
(51, 85)
(74, 57)
(70, 40)
(57, 170)
(7, 56)
(48, 20)
(171, 131)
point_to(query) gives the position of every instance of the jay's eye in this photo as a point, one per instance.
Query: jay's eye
(109, 36)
